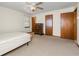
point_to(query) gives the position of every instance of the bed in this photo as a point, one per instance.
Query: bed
(10, 41)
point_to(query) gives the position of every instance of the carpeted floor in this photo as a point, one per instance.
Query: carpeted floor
(47, 46)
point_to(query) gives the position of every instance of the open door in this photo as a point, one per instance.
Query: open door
(48, 24)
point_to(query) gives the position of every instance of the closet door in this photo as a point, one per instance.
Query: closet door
(48, 24)
(67, 25)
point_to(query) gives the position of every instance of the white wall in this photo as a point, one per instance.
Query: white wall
(11, 20)
(40, 18)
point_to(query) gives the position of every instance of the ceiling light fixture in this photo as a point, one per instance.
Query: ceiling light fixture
(33, 8)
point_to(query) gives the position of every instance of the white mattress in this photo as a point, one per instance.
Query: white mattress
(9, 41)
(10, 36)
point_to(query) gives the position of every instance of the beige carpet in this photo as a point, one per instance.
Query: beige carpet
(47, 46)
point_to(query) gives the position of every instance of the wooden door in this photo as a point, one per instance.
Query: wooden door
(33, 23)
(67, 25)
(48, 24)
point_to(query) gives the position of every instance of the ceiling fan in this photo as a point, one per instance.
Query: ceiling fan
(34, 6)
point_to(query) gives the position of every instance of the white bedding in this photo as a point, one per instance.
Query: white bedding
(10, 41)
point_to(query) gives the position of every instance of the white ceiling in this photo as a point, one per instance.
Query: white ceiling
(22, 6)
